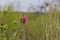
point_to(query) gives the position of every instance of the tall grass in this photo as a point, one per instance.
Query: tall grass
(38, 26)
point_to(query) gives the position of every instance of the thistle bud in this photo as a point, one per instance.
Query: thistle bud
(4, 12)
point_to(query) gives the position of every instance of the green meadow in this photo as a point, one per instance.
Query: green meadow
(38, 26)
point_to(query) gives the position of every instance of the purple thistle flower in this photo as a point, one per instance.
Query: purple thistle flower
(24, 18)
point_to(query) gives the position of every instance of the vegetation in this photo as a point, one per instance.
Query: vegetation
(38, 26)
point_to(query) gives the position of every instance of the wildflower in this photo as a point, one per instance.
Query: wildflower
(23, 19)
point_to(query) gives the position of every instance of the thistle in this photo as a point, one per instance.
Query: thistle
(4, 12)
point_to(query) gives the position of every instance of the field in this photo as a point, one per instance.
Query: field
(38, 26)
